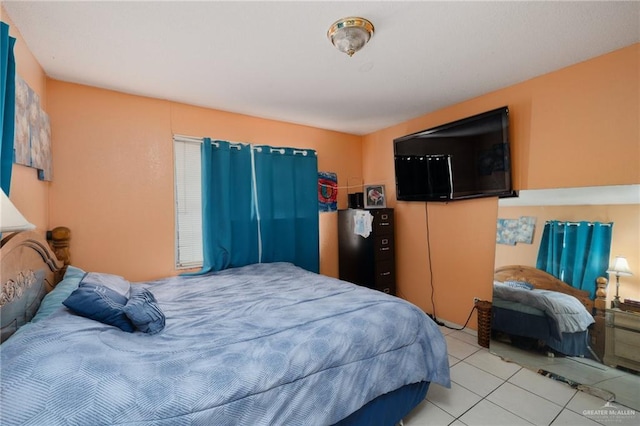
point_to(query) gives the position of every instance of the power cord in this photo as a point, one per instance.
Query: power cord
(465, 324)
(433, 305)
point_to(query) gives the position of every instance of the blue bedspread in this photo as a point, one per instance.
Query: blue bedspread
(567, 313)
(267, 344)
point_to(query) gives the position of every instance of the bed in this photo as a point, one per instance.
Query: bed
(263, 344)
(530, 305)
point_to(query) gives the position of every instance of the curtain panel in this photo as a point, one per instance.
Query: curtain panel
(229, 229)
(7, 105)
(287, 199)
(576, 252)
(259, 205)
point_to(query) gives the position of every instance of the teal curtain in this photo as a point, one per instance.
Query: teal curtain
(229, 233)
(576, 252)
(287, 199)
(7, 106)
(259, 205)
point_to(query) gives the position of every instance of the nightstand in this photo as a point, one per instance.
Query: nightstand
(622, 341)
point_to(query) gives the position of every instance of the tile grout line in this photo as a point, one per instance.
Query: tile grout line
(543, 397)
(482, 398)
(490, 402)
(563, 407)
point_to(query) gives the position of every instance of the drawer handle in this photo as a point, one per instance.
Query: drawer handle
(384, 216)
(384, 223)
(384, 241)
(384, 274)
(387, 290)
(384, 248)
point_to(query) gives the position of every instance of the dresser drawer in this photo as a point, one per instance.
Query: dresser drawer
(628, 321)
(385, 279)
(383, 222)
(388, 288)
(383, 247)
(385, 272)
(627, 344)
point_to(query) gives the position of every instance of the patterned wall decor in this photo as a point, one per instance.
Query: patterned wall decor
(32, 141)
(512, 231)
(327, 192)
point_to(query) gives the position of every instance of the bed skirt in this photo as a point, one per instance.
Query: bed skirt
(537, 327)
(390, 408)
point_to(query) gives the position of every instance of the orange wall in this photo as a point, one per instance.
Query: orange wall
(27, 193)
(574, 127)
(112, 166)
(113, 173)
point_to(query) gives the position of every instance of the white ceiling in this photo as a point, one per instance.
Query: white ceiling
(273, 60)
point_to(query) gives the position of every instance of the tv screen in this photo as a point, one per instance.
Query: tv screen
(467, 158)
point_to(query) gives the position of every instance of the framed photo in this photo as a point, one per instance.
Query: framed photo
(374, 197)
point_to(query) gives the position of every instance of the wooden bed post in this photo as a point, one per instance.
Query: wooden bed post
(600, 305)
(59, 238)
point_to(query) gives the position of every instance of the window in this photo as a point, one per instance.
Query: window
(188, 202)
(228, 231)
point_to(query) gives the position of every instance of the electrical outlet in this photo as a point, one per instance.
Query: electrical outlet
(476, 300)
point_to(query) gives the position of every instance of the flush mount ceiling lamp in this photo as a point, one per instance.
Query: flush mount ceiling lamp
(349, 35)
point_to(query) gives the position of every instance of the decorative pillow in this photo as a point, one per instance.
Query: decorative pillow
(53, 300)
(519, 284)
(114, 282)
(100, 303)
(143, 311)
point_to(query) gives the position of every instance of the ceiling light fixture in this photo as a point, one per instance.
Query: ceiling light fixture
(349, 35)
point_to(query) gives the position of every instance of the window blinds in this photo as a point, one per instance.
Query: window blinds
(188, 202)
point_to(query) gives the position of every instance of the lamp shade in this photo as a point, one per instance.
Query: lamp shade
(620, 267)
(11, 220)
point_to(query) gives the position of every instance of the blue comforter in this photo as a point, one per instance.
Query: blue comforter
(567, 313)
(265, 344)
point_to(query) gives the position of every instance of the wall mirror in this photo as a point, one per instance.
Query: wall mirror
(612, 370)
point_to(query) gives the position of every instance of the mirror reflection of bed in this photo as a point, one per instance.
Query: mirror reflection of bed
(527, 338)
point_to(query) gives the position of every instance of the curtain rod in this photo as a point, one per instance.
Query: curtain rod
(561, 222)
(183, 138)
(238, 145)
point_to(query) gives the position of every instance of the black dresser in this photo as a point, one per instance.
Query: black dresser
(367, 261)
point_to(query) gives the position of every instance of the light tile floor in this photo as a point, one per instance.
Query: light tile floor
(609, 381)
(486, 390)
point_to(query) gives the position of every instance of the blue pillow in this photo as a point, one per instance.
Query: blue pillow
(53, 300)
(143, 311)
(74, 273)
(114, 282)
(519, 284)
(100, 303)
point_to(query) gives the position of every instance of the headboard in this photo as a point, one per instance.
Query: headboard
(29, 270)
(542, 280)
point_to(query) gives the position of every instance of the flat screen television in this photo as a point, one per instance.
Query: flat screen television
(467, 158)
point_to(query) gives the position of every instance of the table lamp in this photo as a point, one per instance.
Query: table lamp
(619, 267)
(11, 220)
